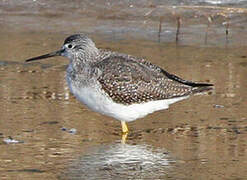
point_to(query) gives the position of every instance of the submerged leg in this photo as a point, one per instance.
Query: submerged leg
(124, 131)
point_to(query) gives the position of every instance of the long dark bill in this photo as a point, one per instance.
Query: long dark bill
(56, 53)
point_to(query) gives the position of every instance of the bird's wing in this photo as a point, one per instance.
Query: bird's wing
(127, 81)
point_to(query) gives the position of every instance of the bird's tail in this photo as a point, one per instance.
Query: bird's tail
(201, 87)
(196, 87)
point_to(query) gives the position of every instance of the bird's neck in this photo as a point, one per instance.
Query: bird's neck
(79, 73)
(82, 63)
(80, 66)
(87, 56)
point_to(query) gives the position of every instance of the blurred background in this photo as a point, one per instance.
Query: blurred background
(143, 19)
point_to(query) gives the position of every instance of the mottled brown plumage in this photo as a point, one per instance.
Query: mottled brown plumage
(128, 80)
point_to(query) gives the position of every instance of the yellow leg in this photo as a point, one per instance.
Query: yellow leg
(124, 127)
(124, 131)
(124, 138)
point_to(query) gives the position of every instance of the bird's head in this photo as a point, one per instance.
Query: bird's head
(76, 47)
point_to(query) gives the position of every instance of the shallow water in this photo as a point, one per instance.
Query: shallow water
(203, 137)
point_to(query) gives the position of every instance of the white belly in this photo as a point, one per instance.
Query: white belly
(98, 101)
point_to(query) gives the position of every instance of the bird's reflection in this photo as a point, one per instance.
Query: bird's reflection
(120, 161)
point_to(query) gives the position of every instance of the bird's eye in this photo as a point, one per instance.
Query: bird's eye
(70, 46)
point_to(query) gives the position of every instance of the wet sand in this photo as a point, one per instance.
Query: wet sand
(203, 137)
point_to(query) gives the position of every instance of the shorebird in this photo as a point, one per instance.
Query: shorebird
(119, 85)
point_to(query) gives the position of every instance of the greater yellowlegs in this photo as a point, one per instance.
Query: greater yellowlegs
(119, 85)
